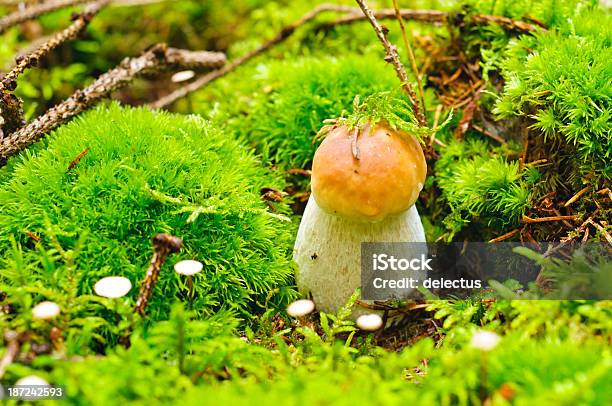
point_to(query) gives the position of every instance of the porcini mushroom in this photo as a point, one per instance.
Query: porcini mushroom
(45, 310)
(365, 182)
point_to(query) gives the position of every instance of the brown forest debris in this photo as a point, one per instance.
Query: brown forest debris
(157, 59)
(80, 22)
(442, 17)
(353, 15)
(35, 11)
(393, 58)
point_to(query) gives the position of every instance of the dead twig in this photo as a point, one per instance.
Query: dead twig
(529, 220)
(35, 11)
(602, 230)
(577, 196)
(393, 58)
(163, 245)
(76, 160)
(505, 236)
(157, 59)
(413, 65)
(442, 17)
(285, 33)
(80, 22)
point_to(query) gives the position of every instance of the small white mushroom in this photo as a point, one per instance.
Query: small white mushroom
(31, 380)
(45, 310)
(183, 76)
(188, 267)
(485, 340)
(369, 322)
(113, 287)
(300, 308)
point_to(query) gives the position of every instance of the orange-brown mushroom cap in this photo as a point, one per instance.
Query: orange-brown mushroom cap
(384, 178)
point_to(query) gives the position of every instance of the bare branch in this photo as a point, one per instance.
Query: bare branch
(393, 58)
(157, 59)
(30, 13)
(354, 15)
(285, 33)
(80, 22)
(442, 17)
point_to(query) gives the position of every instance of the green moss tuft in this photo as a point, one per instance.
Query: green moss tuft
(561, 80)
(145, 173)
(481, 186)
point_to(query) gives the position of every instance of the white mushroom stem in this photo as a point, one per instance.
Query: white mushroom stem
(328, 252)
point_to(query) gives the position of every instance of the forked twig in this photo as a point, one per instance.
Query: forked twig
(393, 58)
(157, 59)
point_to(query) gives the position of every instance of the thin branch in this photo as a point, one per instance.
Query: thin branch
(442, 17)
(30, 13)
(529, 220)
(285, 33)
(505, 236)
(432, 16)
(157, 59)
(428, 16)
(80, 22)
(413, 65)
(393, 58)
(163, 245)
(577, 196)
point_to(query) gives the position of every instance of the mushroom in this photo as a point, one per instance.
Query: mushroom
(188, 267)
(113, 287)
(369, 322)
(485, 340)
(300, 308)
(31, 380)
(45, 310)
(365, 182)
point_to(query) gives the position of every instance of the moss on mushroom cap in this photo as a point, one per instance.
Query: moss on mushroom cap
(380, 174)
(146, 173)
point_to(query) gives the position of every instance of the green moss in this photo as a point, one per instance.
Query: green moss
(200, 362)
(283, 104)
(561, 80)
(480, 185)
(145, 173)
